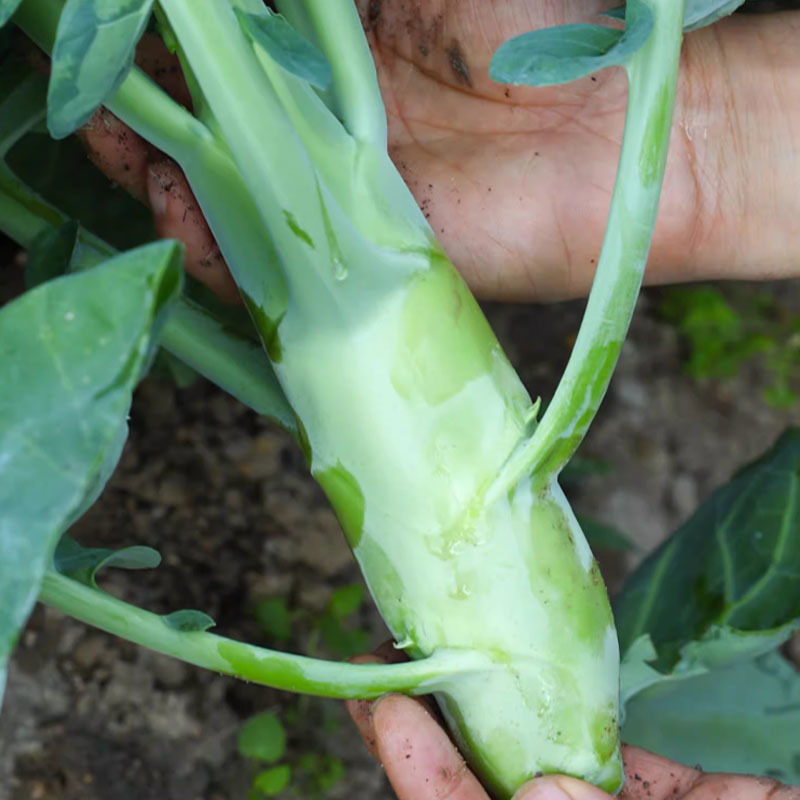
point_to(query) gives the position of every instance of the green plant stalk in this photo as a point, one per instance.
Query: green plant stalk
(357, 99)
(410, 410)
(190, 333)
(268, 667)
(652, 76)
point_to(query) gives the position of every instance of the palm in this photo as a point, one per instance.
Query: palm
(516, 182)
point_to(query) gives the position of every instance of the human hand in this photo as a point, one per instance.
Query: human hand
(420, 761)
(516, 182)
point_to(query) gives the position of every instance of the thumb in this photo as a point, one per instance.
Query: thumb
(559, 787)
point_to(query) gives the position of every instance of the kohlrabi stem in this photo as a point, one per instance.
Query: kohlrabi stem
(355, 83)
(652, 74)
(268, 667)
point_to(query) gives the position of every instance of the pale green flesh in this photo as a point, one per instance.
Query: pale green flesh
(406, 435)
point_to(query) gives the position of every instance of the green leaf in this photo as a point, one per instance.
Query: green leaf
(93, 52)
(71, 351)
(346, 600)
(263, 737)
(83, 563)
(273, 781)
(288, 48)
(188, 620)
(559, 55)
(719, 647)
(51, 254)
(272, 615)
(742, 718)
(7, 8)
(700, 13)
(602, 536)
(736, 562)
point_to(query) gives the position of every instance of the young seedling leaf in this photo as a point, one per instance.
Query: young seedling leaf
(741, 718)
(346, 600)
(83, 563)
(290, 49)
(263, 737)
(71, 352)
(188, 620)
(736, 562)
(93, 52)
(273, 617)
(51, 255)
(551, 56)
(272, 781)
(7, 8)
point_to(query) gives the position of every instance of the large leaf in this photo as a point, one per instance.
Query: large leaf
(71, 352)
(559, 55)
(736, 562)
(290, 49)
(719, 647)
(93, 53)
(744, 717)
(7, 8)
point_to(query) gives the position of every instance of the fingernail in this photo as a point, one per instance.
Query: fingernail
(558, 787)
(541, 789)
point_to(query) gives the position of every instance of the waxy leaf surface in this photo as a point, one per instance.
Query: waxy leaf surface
(93, 52)
(698, 13)
(290, 49)
(552, 56)
(7, 8)
(736, 562)
(71, 352)
(743, 717)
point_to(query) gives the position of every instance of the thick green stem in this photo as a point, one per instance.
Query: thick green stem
(252, 118)
(355, 82)
(652, 74)
(268, 667)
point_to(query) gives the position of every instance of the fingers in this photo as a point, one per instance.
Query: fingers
(418, 756)
(647, 777)
(177, 215)
(152, 178)
(153, 58)
(118, 152)
(560, 787)
(651, 777)
(404, 735)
